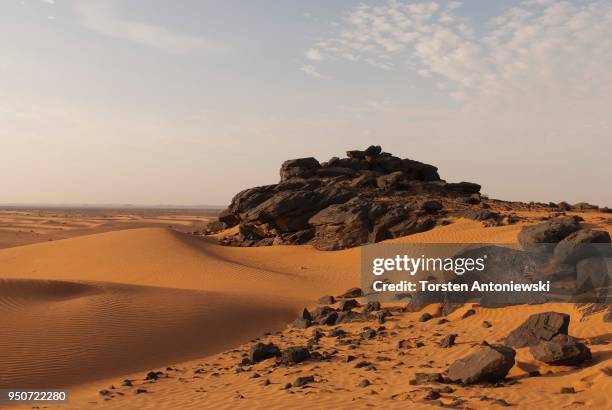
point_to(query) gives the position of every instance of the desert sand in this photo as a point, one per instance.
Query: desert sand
(99, 307)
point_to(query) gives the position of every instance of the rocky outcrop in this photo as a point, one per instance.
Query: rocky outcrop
(367, 197)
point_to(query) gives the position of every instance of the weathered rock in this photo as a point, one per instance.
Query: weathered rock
(368, 334)
(261, 351)
(488, 364)
(580, 245)
(539, 327)
(561, 350)
(296, 354)
(348, 304)
(543, 237)
(372, 306)
(364, 383)
(303, 321)
(464, 187)
(299, 168)
(425, 317)
(431, 205)
(338, 204)
(303, 380)
(426, 378)
(448, 340)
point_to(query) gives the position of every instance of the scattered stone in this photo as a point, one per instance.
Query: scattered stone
(346, 305)
(468, 313)
(372, 307)
(105, 393)
(303, 321)
(368, 334)
(488, 364)
(261, 351)
(486, 324)
(448, 341)
(432, 395)
(538, 327)
(568, 390)
(425, 317)
(364, 383)
(363, 363)
(561, 350)
(266, 382)
(303, 380)
(140, 391)
(442, 321)
(426, 378)
(296, 354)
(153, 375)
(127, 383)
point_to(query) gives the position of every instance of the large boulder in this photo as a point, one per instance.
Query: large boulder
(489, 363)
(580, 245)
(262, 351)
(295, 354)
(299, 168)
(543, 237)
(561, 350)
(537, 328)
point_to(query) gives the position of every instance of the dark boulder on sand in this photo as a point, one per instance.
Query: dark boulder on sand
(490, 363)
(537, 328)
(561, 350)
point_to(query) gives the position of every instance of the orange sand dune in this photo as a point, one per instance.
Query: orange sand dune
(57, 333)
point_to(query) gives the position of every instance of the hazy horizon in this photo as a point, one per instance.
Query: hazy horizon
(149, 102)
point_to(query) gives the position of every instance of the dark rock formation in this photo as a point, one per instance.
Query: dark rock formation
(579, 245)
(539, 327)
(561, 350)
(489, 363)
(448, 340)
(367, 197)
(296, 354)
(543, 237)
(261, 351)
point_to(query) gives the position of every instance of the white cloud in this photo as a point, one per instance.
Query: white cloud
(314, 54)
(103, 18)
(556, 49)
(310, 71)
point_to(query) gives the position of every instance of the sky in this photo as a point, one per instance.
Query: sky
(166, 102)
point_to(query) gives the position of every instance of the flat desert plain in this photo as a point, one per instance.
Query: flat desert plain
(94, 300)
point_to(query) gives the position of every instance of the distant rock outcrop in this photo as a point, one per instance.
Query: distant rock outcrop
(367, 197)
